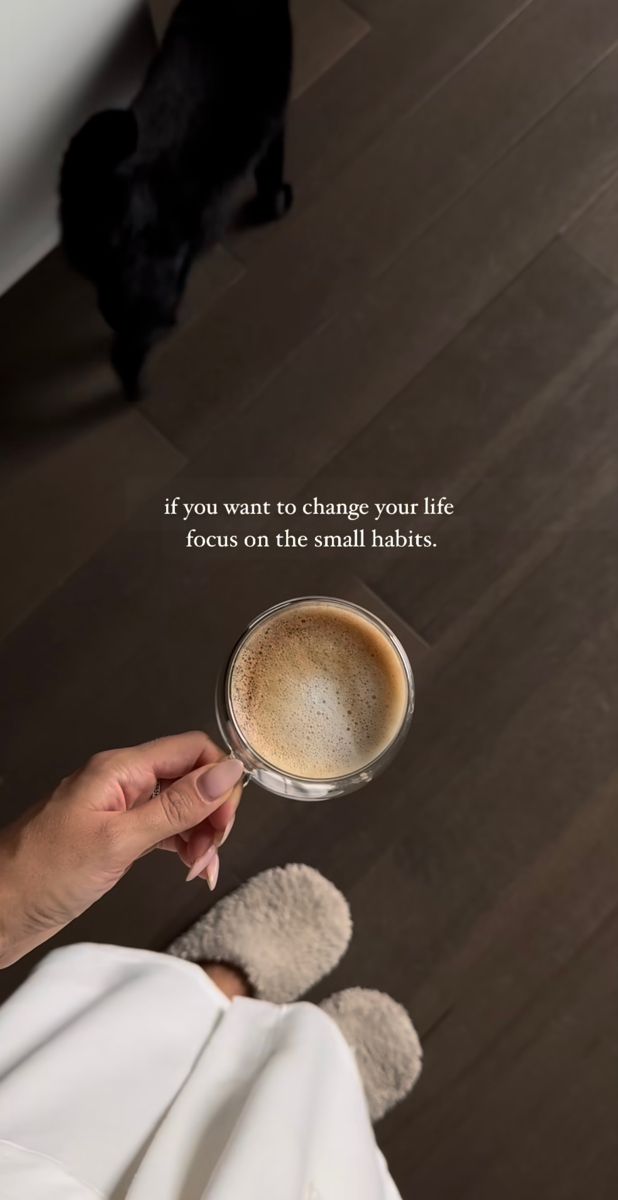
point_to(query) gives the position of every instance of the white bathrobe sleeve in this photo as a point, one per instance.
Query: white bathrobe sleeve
(127, 1075)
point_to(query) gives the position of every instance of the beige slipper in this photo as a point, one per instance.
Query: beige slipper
(384, 1041)
(285, 930)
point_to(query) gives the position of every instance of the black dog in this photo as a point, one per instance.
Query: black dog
(144, 189)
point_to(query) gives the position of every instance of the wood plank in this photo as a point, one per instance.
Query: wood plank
(56, 513)
(595, 234)
(474, 403)
(54, 335)
(549, 325)
(211, 276)
(384, 76)
(534, 929)
(54, 366)
(325, 30)
(533, 485)
(396, 15)
(433, 153)
(552, 1077)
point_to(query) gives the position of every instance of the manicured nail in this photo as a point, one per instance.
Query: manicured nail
(212, 874)
(202, 863)
(220, 780)
(221, 838)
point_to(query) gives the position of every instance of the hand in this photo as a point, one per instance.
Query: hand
(61, 857)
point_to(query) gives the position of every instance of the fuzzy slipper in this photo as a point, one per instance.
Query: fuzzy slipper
(285, 930)
(385, 1043)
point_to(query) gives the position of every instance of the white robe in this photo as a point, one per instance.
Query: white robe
(127, 1075)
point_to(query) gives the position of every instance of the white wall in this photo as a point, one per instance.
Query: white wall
(60, 60)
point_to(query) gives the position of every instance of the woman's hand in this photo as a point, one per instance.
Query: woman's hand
(60, 858)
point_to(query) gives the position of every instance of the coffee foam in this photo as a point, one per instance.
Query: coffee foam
(318, 691)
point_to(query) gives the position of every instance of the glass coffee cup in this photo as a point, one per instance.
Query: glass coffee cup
(316, 698)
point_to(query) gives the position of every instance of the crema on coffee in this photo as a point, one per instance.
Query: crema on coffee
(318, 690)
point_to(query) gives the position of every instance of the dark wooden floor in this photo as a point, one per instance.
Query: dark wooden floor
(439, 314)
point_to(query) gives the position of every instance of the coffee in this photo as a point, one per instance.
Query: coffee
(318, 690)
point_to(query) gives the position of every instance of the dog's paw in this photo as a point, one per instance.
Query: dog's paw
(128, 367)
(283, 201)
(264, 208)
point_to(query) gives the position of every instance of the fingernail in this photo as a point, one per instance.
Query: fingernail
(212, 874)
(221, 839)
(220, 780)
(201, 864)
